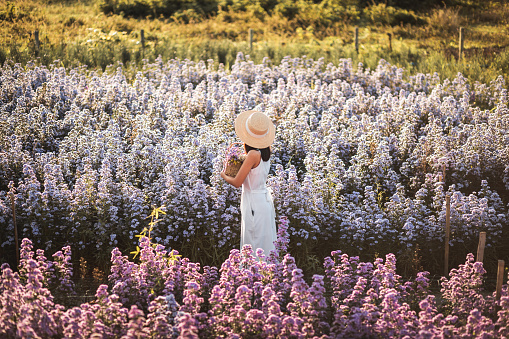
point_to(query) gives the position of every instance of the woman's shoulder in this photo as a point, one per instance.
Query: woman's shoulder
(254, 153)
(254, 157)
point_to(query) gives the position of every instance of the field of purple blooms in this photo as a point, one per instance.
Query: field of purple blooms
(363, 160)
(164, 296)
(358, 165)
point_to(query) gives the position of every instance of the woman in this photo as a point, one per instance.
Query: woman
(258, 219)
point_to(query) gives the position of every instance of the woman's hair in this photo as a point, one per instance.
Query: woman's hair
(265, 151)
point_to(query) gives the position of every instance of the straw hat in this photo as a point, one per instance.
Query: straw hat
(255, 129)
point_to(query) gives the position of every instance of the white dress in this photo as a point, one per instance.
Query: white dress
(258, 218)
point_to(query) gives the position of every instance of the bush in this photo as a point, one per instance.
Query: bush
(334, 11)
(156, 8)
(186, 16)
(388, 15)
(445, 21)
(11, 12)
(319, 15)
(289, 9)
(410, 4)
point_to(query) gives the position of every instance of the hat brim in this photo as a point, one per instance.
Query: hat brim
(245, 137)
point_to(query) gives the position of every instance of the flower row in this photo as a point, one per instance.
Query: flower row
(362, 159)
(165, 296)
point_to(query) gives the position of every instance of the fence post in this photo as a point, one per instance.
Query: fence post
(462, 36)
(13, 204)
(447, 232)
(480, 248)
(142, 38)
(390, 41)
(500, 278)
(37, 42)
(251, 39)
(357, 40)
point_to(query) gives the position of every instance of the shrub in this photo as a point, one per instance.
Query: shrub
(10, 12)
(289, 9)
(387, 15)
(445, 20)
(156, 8)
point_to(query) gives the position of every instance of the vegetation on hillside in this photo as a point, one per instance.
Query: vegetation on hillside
(419, 36)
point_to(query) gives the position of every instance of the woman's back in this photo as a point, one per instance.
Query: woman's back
(257, 177)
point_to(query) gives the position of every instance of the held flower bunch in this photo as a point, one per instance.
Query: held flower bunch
(234, 157)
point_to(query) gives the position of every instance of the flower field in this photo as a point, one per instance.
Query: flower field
(166, 297)
(363, 160)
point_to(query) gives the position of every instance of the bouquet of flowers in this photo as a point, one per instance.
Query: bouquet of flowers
(233, 159)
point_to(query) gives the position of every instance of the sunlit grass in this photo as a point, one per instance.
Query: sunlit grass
(78, 33)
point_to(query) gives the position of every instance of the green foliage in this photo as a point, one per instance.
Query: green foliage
(289, 9)
(410, 4)
(303, 27)
(323, 14)
(189, 9)
(101, 50)
(72, 21)
(387, 15)
(186, 16)
(10, 12)
(332, 11)
(234, 5)
(445, 21)
(391, 12)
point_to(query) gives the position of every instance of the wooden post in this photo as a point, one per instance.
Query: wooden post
(500, 278)
(462, 36)
(443, 172)
(480, 248)
(142, 38)
(36, 39)
(357, 40)
(447, 232)
(390, 41)
(13, 204)
(251, 39)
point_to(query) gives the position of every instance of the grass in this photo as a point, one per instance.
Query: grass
(76, 32)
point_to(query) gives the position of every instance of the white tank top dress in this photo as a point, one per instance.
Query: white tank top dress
(258, 218)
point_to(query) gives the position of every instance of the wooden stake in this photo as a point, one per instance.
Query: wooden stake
(460, 54)
(500, 278)
(142, 38)
(251, 39)
(37, 42)
(15, 227)
(480, 248)
(447, 232)
(390, 41)
(357, 40)
(443, 172)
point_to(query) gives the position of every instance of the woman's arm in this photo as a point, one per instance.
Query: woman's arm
(253, 158)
